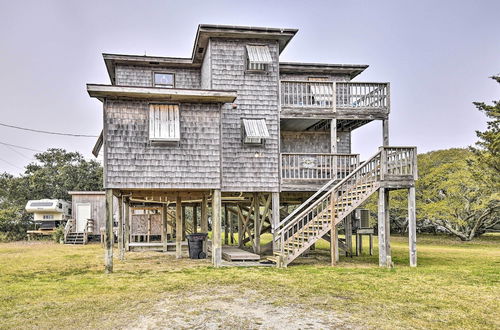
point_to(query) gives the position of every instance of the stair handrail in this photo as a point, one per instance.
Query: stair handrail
(67, 228)
(340, 183)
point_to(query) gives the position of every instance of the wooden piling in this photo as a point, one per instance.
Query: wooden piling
(127, 219)
(121, 243)
(178, 227)
(275, 214)
(385, 259)
(195, 218)
(108, 254)
(256, 227)
(226, 225)
(164, 229)
(412, 227)
(385, 132)
(216, 228)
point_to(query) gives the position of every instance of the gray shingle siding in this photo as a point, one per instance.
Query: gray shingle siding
(132, 162)
(128, 75)
(314, 142)
(247, 168)
(206, 70)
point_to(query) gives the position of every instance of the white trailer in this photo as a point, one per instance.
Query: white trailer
(49, 213)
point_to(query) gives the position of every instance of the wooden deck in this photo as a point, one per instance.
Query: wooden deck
(232, 253)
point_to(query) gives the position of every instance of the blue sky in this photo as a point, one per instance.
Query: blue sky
(437, 55)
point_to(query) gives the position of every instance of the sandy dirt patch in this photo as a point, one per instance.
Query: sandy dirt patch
(235, 308)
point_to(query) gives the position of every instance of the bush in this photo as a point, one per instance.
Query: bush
(58, 234)
(13, 225)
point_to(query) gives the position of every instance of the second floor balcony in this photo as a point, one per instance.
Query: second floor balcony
(356, 100)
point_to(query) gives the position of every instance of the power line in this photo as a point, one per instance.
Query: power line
(16, 146)
(47, 132)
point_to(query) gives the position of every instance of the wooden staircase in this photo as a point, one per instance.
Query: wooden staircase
(76, 238)
(337, 199)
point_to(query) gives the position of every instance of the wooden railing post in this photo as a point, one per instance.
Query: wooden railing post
(334, 97)
(383, 163)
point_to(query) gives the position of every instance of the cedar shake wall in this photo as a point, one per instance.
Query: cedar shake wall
(313, 142)
(244, 167)
(128, 75)
(132, 162)
(206, 70)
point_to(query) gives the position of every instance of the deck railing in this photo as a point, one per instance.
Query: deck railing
(334, 95)
(317, 166)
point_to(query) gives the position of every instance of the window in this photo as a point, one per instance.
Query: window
(48, 217)
(164, 80)
(258, 57)
(254, 131)
(164, 122)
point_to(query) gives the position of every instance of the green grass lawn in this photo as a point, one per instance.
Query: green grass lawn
(456, 285)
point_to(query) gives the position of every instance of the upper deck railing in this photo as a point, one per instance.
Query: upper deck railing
(335, 95)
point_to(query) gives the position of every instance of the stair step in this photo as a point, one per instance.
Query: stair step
(273, 259)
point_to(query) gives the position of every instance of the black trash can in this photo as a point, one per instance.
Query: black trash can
(195, 244)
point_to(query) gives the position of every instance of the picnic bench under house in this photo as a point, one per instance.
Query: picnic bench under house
(234, 142)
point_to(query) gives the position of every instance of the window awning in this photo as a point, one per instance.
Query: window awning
(259, 54)
(256, 128)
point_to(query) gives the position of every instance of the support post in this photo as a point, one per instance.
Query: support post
(183, 215)
(195, 218)
(204, 219)
(231, 228)
(226, 225)
(333, 232)
(127, 226)
(256, 226)
(385, 132)
(348, 234)
(204, 214)
(240, 229)
(275, 212)
(216, 229)
(108, 254)
(121, 245)
(334, 245)
(412, 227)
(178, 227)
(333, 136)
(164, 229)
(384, 246)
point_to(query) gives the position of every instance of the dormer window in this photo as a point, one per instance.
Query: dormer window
(258, 57)
(163, 80)
(255, 131)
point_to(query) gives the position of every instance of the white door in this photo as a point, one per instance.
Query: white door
(82, 214)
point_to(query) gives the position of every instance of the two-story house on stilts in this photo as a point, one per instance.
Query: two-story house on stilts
(233, 138)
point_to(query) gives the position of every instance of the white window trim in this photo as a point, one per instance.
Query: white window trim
(163, 85)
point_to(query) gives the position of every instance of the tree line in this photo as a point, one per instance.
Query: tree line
(458, 190)
(52, 174)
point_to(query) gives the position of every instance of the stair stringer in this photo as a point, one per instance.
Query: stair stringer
(326, 226)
